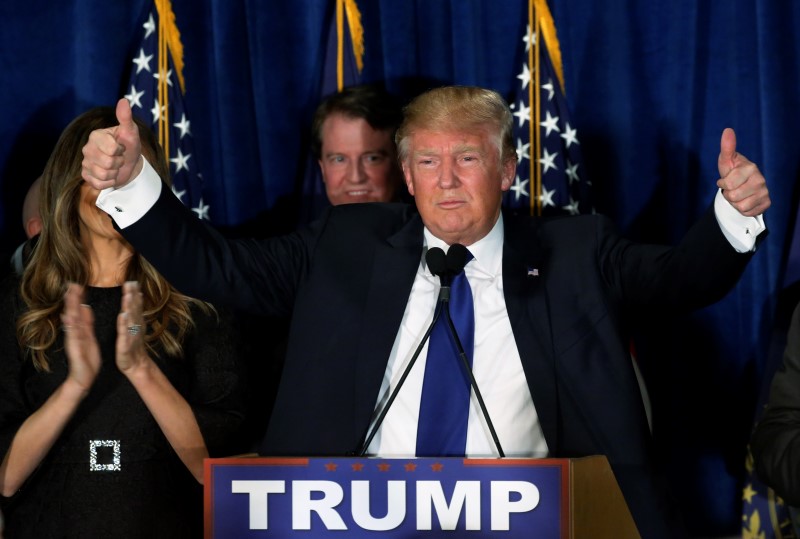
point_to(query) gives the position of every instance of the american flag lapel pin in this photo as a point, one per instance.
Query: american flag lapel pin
(533, 272)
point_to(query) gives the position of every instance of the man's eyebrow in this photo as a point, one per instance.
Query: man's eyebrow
(463, 148)
(425, 152)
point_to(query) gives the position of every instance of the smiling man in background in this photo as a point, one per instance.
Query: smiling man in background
(353, 142)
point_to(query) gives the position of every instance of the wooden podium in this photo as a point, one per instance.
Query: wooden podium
(420, 497)
(598, 508)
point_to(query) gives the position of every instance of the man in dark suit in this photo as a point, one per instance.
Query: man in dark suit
(552, 298)
(776, 440)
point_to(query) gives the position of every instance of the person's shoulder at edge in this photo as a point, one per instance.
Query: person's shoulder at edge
(10, 302)
(9, 287)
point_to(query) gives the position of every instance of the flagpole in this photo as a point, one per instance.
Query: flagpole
(535, 161)
(339, 45)
(348, 8)
(163, 131)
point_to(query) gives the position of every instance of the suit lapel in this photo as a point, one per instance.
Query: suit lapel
(526, 302)
(390, 281)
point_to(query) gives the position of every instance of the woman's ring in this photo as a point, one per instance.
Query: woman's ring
(134, 329)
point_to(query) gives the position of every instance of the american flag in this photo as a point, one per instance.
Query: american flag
(550, 178)
(341, 67)
(155, 92)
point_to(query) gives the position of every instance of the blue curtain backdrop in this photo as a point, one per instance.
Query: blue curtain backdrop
(650, 83)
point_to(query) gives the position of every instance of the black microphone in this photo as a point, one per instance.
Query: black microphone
(457, 258)
(437, 264)
(436, 261)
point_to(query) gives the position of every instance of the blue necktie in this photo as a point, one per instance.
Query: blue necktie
(444, 407)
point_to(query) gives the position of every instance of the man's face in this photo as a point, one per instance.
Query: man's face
(457, 182)
(358, 162)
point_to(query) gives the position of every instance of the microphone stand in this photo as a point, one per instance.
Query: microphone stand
(463, 356)
(444, 296)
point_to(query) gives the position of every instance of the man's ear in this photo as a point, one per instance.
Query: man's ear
(408, 180)
(33, 226)
(509, 173)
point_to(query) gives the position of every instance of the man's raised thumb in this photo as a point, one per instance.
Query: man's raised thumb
(124, 115)
(727, 152)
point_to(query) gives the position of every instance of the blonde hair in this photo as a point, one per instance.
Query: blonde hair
(60, 257)
(458, 108)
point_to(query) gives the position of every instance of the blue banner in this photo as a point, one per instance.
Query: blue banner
(398, 498)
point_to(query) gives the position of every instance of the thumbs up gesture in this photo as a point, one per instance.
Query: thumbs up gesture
(741, 182)
(112, 156)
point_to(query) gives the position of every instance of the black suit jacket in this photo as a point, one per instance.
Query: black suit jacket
(346, 280)
(776, 440)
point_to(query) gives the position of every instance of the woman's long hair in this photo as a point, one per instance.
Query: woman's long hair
(60, 256)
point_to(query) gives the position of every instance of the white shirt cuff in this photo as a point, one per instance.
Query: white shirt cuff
(739, 230)
(128, 204)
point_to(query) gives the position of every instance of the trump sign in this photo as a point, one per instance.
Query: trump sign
(396, 498)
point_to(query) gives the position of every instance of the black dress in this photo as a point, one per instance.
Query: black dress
(112, 473)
